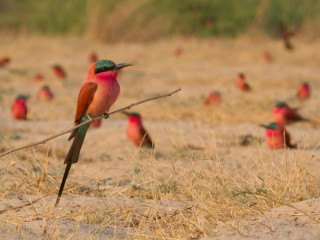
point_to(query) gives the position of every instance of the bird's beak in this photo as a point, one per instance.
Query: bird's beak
(122, 65)
(125, 113)
(262, 125)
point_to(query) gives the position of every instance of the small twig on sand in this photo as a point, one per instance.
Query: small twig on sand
(30, 202)
(105, 115)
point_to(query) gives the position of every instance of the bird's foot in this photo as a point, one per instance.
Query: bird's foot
(106, 115)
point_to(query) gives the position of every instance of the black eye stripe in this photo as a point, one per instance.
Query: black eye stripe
(102, 69)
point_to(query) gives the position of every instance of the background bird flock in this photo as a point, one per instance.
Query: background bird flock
(210, 164)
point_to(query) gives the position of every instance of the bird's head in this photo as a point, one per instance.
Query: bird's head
(241, 76)
(108, 67)
(281, 105)
(56, 67)
(133, 116)
(272, 125)
(21, 97)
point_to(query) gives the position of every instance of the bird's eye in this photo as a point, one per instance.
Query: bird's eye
(103, 69)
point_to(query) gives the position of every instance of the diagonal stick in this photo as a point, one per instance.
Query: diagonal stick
(105, 115)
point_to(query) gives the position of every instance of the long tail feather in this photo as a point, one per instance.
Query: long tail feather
(73, 154)
(66, 172)
(72, 157)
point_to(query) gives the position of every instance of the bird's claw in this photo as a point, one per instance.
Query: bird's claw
(106, 115)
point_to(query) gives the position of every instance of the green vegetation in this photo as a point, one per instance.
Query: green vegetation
(112, 20)
(47, 17)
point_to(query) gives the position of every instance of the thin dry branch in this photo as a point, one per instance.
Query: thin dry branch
(31, 201)
(105, 116)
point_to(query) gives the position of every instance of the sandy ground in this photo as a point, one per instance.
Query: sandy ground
(186, 134)
(299, 221)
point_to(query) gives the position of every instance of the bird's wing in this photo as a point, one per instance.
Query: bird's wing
(247, 87)
(293, 115)
(84, 99)
(146, 138)
(288, 140)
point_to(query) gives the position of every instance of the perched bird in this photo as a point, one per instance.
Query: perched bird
(213, 98)
(241, 83)
(96, 123)
(19, 108)
(96, 96)
(178, 51)
(285, 115)
(59, 72)
(93, 57)
(38, 78)
(4, 61)
(286, 36)
(267, 57)
(304, 91)
(277, 136)
(45, 94)
(136, 132)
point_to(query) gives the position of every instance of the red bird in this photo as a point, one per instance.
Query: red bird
(93, 57)
(45, 94)
(277, 136)
(304, 91)
(95, 98)
(213, 98)
(285, 115)
(136, 132)
(178, 52)
(241, 83)
(4, 61)
(59, 72)
(19, 108)
(96, 123)
(38, 78)
(267, 57)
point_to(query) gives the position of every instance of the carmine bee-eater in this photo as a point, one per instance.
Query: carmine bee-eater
(304, 91)
(59, 72)
(19, 108)
(136, 132)
(267, 57)
(95, 98)
(213, 98)
(4, 61)
(285, 115)
(241, 83)
(45, 94)
(93, 57)
(178, 51)
(38, 78)
(277, 136)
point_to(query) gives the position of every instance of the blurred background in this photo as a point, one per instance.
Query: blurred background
(147, 20)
